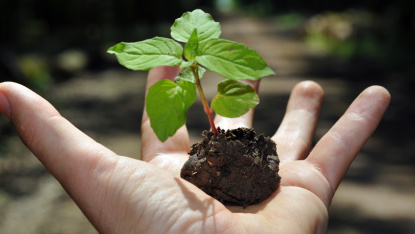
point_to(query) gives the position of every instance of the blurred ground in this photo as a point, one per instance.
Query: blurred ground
(377, 195)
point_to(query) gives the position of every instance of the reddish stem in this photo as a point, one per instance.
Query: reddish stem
(205, 104)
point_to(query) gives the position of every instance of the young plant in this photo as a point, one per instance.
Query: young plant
(167, 102)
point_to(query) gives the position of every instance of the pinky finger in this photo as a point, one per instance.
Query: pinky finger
(334, 153)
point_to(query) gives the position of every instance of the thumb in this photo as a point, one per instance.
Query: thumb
(73, 158)
(51, 138)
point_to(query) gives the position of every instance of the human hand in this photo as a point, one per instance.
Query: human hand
(123, 195)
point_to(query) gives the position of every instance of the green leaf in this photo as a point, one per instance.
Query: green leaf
(185, 64)
(234, 99)
(190, 49)
(147, 54)
(232, 60)
(187, 75)
(183, 27)
(167, 104)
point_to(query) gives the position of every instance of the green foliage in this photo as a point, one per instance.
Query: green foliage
(190, 49)
(148, 54)
(183, 27)
(232, 60)
(167, 102)
(234, 98)
(187, 75)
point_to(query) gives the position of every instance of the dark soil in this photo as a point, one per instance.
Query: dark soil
(237, 167)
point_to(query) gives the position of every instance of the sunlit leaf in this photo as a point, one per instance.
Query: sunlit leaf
(167, 104)
(183, 27)
(234, 98)
(232, 60)
(147, 54)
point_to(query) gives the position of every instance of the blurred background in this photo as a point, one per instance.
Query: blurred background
(58, 49)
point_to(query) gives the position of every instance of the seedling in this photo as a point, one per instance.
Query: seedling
(167, 102)
(236, 167)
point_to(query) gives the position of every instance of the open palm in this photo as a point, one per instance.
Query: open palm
(123, 195)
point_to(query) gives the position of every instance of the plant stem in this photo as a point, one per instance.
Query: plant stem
(205, 104)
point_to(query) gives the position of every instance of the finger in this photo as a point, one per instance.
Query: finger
(334, 153)
(151, 145)
(244, 121)
(296, 132)
(65, 151)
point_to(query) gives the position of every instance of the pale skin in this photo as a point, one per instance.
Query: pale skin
(119, 194)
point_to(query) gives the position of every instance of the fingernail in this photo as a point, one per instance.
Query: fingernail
(4, 105)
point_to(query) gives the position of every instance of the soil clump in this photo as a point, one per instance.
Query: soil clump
(237, 167)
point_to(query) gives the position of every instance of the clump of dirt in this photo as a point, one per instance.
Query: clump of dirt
(237, 167)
